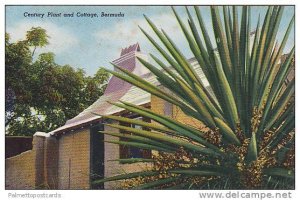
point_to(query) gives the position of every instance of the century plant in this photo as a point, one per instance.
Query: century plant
(248, 113)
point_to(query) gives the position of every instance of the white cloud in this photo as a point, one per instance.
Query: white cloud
(61, 39)
(127, 32)
(129, 29)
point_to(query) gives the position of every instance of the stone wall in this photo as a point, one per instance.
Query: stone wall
(20, 171)
(52, 163)
(34, 169)
(74, 160)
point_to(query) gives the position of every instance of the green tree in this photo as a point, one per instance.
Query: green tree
(94, 86)
(17, 62)
(45, 94)
(37, 37)
(250, 117)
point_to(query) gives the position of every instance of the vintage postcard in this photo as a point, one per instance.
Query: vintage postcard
(150, 97)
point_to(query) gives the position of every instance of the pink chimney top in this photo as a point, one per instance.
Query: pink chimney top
(128, 60)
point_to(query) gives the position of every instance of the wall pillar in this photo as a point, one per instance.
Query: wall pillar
(46, 160)
(51, 163)
(38, 147)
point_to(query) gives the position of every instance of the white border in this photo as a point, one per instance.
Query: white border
(132, 195)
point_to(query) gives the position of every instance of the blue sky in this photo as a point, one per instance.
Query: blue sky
(90, 43)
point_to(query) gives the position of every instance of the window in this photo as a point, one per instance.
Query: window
(130, 151)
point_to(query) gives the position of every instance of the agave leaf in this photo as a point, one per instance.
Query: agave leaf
(131, 160)
(243, 42)
(205, 116)
(216, 168)
(171, 140)
(162, 77)
(264, 37)
(272, 72)
(180, 186)
(203, 59)
(259, 56)
(267, 59)
(284, 40)
(139, 82)
(194, 47)
(272, 24)
(236, 60)
(281, 172)
(279, 79)
(141, 123)
(156, 183)
(188, 69)
(246, 97)
(166, 68)
(228, 30)
(227, 94)
(170, 60)
(139, 145)
(198, 104)
(144, 140)
(227, 131)
(282, 83)
(126, 176)
(274, 53)
(207, 69)
(168, 122)
(179, 91)
(252, 149)
(253, 67)
(221, 43)
(197, 172)
(135, 80)
(286, 128)
(281, 153)
(215, 83)
(180, 66)
(269, 74)
(206, 36)
(289, 111)
(240, 68)
(281, 104)
(214, 109)
(270, 43)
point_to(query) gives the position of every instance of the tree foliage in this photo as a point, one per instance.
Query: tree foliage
(41, 94)
(37, 37)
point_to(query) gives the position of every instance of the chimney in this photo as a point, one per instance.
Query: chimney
(127, 60)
